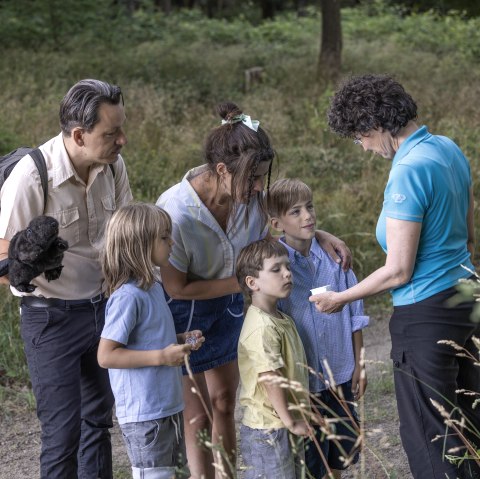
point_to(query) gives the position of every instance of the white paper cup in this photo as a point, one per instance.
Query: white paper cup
(321, 289)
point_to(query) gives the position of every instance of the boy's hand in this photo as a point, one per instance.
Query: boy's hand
(300, 428)
(174, 355)
(195, 339)
(359, 382)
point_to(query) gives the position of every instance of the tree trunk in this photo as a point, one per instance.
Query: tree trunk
(301, 7)
(129, 5)
(330, 59)
(164, 5)
(268, 9)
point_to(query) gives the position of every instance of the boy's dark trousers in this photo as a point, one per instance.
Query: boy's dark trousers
(346, 429)
(74, 399)
(425, 370)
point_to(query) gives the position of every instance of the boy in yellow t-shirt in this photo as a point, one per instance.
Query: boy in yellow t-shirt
(273, 376)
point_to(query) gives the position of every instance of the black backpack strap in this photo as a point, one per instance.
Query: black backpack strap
(39, 160)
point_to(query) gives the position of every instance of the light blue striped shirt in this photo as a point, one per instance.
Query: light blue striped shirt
(201, 248)
(325, 337)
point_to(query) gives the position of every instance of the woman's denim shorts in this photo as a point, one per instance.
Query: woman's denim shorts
(219, 319)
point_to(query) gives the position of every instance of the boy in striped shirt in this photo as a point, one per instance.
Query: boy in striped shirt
(332, 342)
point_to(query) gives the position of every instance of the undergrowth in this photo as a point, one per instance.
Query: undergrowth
(174, 70)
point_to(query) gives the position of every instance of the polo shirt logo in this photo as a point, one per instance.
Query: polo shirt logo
(398, 198)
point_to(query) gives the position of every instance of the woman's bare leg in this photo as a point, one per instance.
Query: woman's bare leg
(222, 385)
(200, 458)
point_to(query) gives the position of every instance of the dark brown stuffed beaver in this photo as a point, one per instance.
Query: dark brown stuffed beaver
(35, 250)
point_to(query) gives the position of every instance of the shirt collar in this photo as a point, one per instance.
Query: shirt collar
(192, 198)
(63, 168)
(294, 256)
(413, 140)
(193, 201)
(264, 313)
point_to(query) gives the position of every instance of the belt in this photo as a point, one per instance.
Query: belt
(36, 302)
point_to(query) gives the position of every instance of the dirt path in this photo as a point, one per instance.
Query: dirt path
(383, 456)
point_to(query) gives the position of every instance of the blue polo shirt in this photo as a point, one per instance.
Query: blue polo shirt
(429, 183)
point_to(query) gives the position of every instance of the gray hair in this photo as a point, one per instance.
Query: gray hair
(80, 105)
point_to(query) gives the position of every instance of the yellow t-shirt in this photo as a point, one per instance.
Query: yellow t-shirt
(266, 344)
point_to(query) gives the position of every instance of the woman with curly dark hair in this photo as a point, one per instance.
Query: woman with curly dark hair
(426, 230)
(216, 210)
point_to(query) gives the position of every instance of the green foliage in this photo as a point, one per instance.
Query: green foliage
(8, 141)
(174, 69)
(469, 290)
(470, 7)
(430, 32)
(49, 23)
(12, 362)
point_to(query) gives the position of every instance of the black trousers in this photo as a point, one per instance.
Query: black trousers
(424, 371)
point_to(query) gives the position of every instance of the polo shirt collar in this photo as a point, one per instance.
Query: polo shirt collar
(413, 140)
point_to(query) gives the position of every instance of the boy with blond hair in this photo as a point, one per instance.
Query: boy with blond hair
(332, 342)
(271, 360)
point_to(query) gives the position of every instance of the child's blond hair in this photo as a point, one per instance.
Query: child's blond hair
(251, 258)
(284, 194)
(129, 241)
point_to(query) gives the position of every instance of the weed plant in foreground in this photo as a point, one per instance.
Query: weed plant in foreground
(227, 469)
(174, 69)
(455, 419)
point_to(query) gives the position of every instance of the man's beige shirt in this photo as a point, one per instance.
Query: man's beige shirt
(82, 211)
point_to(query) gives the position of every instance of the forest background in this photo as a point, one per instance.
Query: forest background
(176, 60)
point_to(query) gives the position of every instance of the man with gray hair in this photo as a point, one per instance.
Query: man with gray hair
(61, 320)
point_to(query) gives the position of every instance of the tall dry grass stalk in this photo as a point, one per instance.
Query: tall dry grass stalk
(312, 416)
(456, 420)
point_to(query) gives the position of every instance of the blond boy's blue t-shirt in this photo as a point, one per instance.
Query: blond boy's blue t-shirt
(429, 183)
(141, 320)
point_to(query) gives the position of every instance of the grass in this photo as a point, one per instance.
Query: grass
(14, 382)
(173, 70)
(16, 400)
